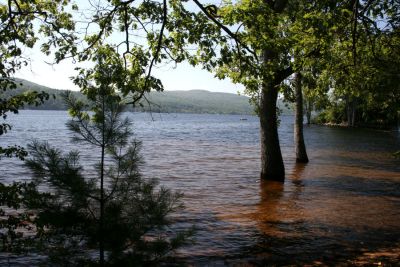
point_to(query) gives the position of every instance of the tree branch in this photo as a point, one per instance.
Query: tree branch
(158, 49)
(224, 28)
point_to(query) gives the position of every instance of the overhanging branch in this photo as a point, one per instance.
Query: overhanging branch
(224, 28)
(158, 49)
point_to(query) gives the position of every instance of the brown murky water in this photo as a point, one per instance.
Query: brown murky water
(341, 208)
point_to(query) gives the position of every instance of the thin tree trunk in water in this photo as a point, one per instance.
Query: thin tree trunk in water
(348, 110)
(272, 167)
(308, 111)
(300, 148)
(351, 113)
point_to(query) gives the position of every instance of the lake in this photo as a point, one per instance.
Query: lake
(342, 207)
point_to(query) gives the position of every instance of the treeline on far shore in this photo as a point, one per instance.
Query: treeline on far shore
(192, 101)
(206, 102)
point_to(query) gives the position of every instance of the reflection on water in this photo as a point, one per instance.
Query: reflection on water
(330, 214)
(339, 208)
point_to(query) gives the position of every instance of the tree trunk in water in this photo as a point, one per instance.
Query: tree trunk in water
(348, 110)
(351, 113)
(300, 148)
(308, 111)
(272, 167)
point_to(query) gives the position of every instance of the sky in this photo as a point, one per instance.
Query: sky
(180, 77)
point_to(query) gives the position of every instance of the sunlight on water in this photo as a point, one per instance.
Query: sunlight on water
(342, 205)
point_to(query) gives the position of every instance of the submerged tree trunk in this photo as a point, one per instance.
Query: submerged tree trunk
(300, 148)
(309, 107)
(272, 167)
(348, 111)
(351, 112)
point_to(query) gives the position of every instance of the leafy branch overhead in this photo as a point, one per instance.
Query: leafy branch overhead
(18, 32)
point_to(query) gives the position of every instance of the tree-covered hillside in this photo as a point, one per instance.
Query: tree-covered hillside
(198, 101)
(55, 101)
(192, 101)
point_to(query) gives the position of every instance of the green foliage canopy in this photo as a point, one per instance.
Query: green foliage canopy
(18, 23)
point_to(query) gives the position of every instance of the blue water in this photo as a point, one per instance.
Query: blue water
(344, 203)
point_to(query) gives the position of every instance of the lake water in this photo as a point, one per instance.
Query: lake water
(342, 207)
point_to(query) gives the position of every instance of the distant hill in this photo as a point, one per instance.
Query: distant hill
(55, 101)
(198, 101)
(192, 101)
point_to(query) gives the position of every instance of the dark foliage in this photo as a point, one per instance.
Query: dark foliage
(70, 218)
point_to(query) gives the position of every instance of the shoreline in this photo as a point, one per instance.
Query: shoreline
(345, 125)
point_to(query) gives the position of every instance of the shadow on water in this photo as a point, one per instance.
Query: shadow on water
(332, 246)
(361, 160)
(344, 229)
(213, 237)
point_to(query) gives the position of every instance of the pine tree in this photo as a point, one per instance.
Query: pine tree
(113, 212)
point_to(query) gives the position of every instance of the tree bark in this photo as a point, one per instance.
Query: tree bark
(300, 148)
(272, 167)
(348, 110)
(353, 115)
(351, 112)
(309, 108)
